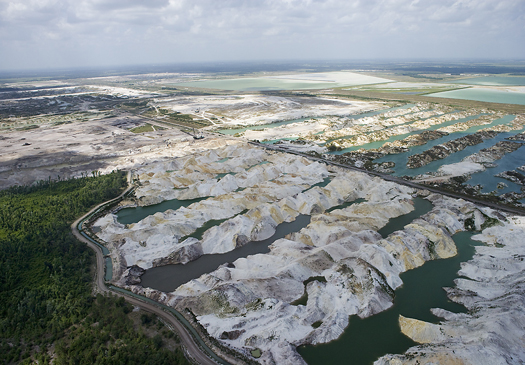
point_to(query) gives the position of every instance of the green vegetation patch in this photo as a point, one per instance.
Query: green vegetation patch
(104, 338)
(143, 128)
(256, 353)
(171, 117)
(317, 324)
(490, 222)
(46, 279)
(28, 127)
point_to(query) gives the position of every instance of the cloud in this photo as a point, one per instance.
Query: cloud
(98, 31)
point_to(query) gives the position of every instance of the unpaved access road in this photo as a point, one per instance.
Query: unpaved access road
(194, 351)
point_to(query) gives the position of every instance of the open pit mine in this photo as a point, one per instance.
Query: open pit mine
(344, 260)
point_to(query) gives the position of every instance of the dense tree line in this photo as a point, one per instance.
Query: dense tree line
(107, 336)
(45, 278)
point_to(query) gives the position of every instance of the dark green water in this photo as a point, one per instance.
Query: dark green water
(223, 174)
(136, 214)
(211, 223)
(345, 205)
(169, 277)
(365, 340)
(320, 184)
(108, 274)
(421, 207)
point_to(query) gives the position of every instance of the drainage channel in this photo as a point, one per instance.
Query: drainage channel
(169, 277)
(136, 214)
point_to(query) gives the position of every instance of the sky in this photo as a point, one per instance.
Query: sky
(40, 34)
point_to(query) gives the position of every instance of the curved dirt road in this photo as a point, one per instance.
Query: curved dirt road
(192, 348)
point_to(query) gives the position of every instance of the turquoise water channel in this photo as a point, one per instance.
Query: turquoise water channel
(365, 340)
(378, 144)
(490, 182)
(401, 159)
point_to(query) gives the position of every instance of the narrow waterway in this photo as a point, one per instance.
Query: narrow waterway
(401, 159)
(345, 205)
(378, 144)
(365, 340)
(376, 112)
(490, 182)
(170, 277)
(387, 128)
(421, 207)
(136, 214)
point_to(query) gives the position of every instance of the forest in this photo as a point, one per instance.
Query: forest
(47, 309)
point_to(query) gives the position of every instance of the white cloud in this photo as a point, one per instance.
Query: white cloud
(61, 33)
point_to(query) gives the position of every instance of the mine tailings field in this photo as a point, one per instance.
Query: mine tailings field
(364, 340)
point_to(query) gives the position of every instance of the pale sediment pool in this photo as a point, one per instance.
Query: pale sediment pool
(486, 95)
(365, 340)
(169, 277)
(491, 81)
(258, 84)
(321, 80)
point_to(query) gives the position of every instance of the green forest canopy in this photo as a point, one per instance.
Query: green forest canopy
(46, 281)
